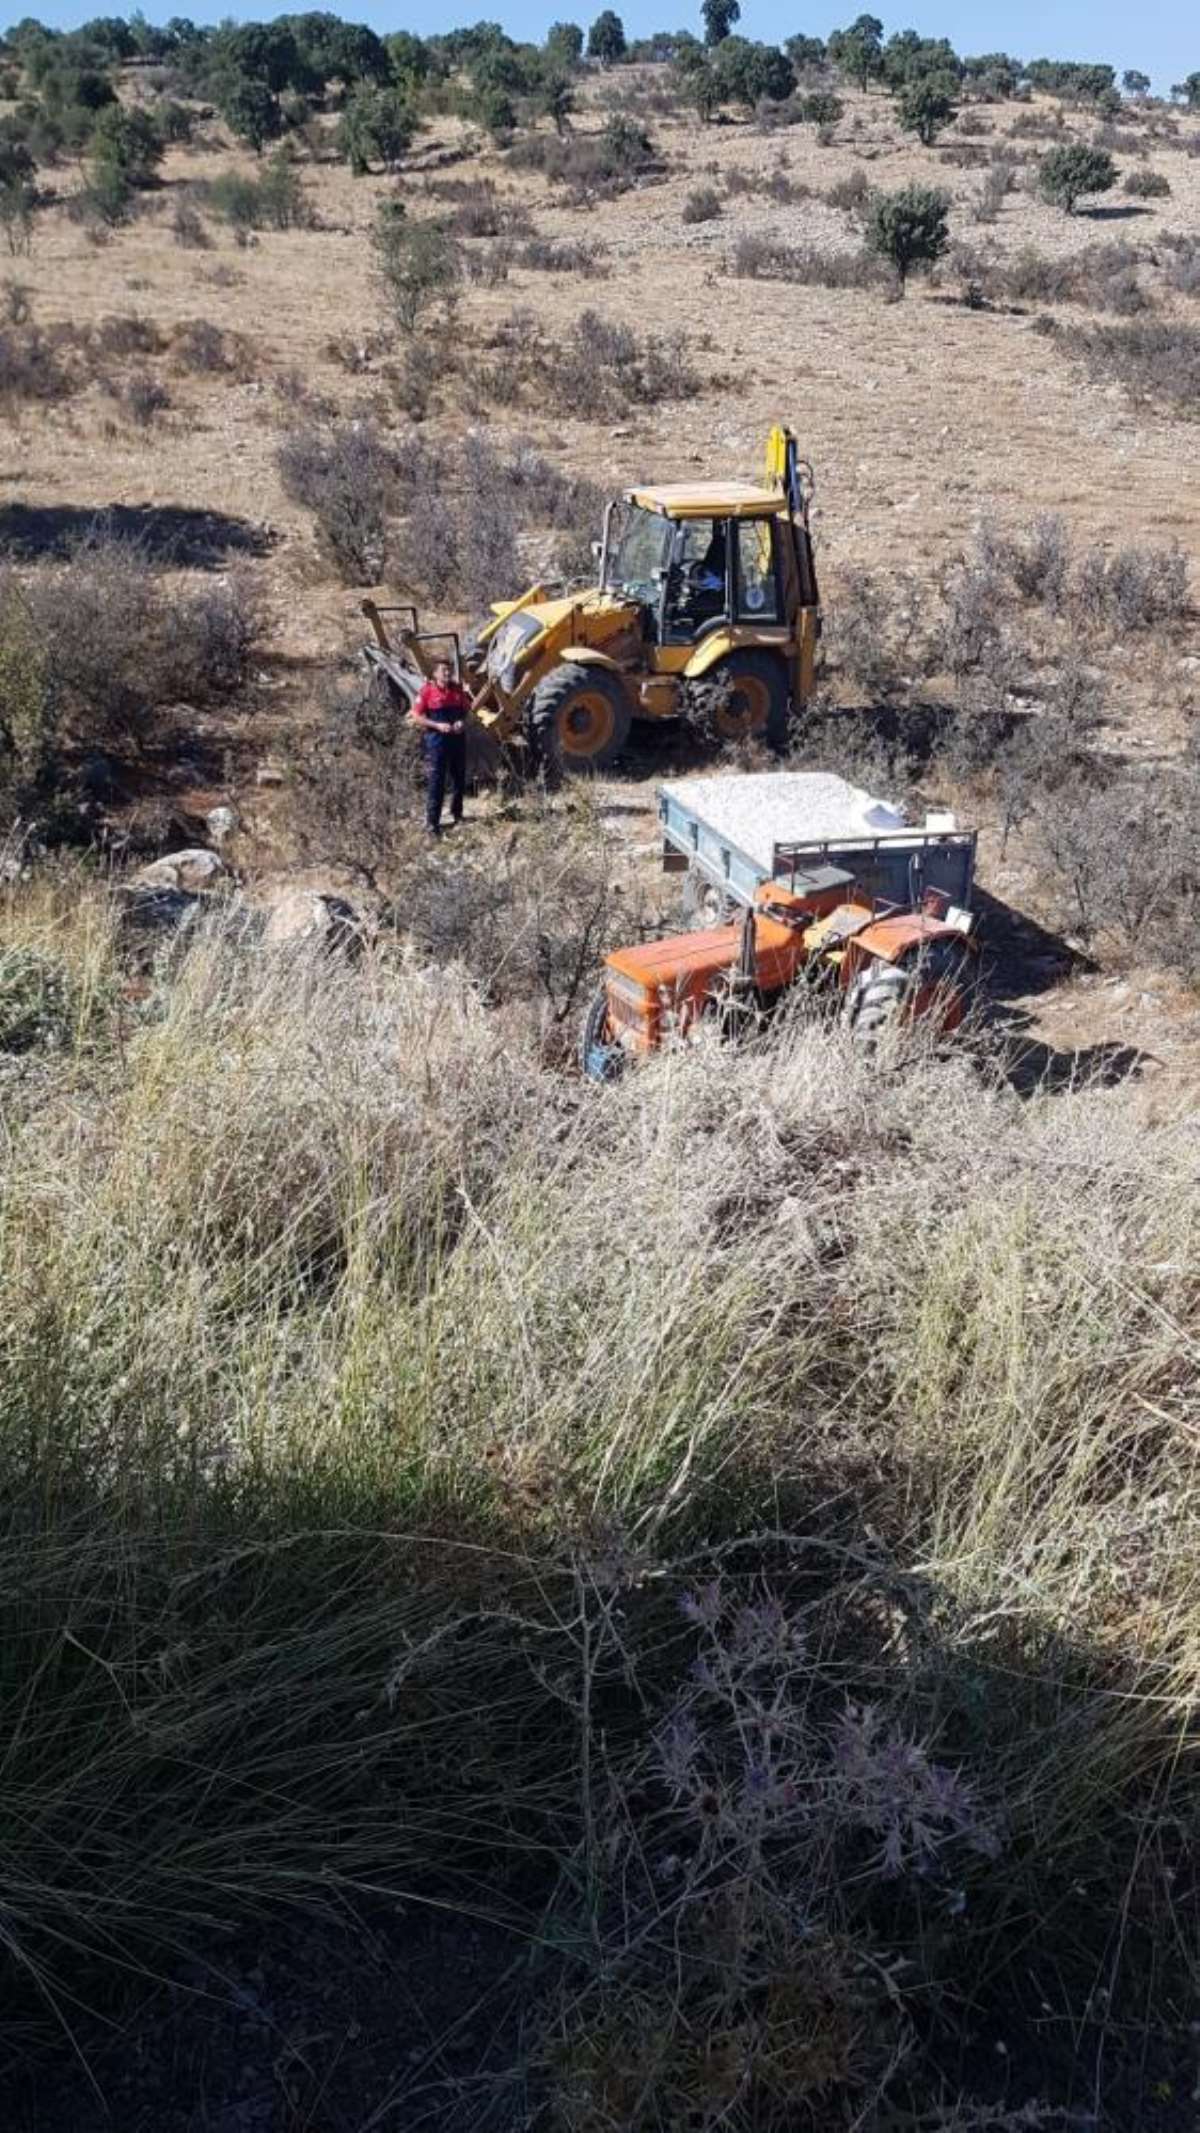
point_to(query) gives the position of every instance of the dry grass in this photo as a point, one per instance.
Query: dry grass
(359, 1367)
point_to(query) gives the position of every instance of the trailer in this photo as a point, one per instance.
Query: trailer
(730, 833)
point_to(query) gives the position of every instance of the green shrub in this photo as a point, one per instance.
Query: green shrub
(129, 141)
(418, 264)
(822, 108)
(235, 199)
(1066, 175)
(908, 229)
(282, 200)
(925, 108)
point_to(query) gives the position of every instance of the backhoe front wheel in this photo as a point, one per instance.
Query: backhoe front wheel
(579, 719)
(750, 696)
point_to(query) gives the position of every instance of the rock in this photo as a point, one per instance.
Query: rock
(268, 773)
(222, 822)
(305, 916)
(156, 910)
(193, 870)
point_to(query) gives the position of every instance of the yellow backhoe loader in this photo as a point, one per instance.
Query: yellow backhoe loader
(706, 599)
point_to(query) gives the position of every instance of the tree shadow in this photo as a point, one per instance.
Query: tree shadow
(171, 535)
(1024, 958)
(1110, 214)
(1034, 1068)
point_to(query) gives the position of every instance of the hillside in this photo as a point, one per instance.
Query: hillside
(534, 1605)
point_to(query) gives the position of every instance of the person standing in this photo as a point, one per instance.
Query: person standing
(440, 710)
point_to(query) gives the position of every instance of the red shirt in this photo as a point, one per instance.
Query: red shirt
(449, 704)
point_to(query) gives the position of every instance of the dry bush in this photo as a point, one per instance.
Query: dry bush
(767, 185)
(110, 643)
(1037, 126)
(596, 369)
(850, 194)
(593, 165)
(188, 229)
(1124, 858)
(1147, 185)
(17, 299)
(1036, 557)
(1181, 270)
(143, 398)
(476, 522)
(963, 155)
(487, 266)
(198, 345)
(606, 367)
(1134, 589)
(1102, 277)
(346, 473)
(476, 209)
(993, 193)
(587, 257)
(702, 205)
(975, 641)
(1157, 360)
(126, 333)
(873, 632)
(758, 258)
(528, 925)
(356, 777)
(32, 367)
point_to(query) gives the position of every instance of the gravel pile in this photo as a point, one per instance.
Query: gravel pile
(759, 810)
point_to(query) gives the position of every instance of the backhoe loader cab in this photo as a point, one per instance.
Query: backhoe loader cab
(706, 593)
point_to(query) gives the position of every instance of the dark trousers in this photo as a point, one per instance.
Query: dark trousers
(445, 757)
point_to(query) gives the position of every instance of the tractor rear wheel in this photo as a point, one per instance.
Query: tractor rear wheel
(704, 904)
(751, 696)
(579, 719)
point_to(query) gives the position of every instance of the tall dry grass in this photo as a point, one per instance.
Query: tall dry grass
(739, 1527)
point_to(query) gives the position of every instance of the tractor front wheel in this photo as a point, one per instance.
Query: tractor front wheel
(751, 697)
(599, 1058)
(579, 719)
(875, 1003)
(935, 983)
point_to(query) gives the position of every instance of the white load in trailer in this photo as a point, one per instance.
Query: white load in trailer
(733, 831)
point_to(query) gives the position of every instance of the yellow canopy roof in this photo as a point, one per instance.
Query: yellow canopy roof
(709, 499)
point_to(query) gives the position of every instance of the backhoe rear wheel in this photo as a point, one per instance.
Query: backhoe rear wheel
(751, 697)
(579, 719)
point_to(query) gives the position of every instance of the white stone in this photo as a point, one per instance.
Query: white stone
(761, 809)
(302, 915)
(192, 870)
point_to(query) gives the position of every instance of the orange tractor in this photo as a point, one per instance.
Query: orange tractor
(880, 965)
